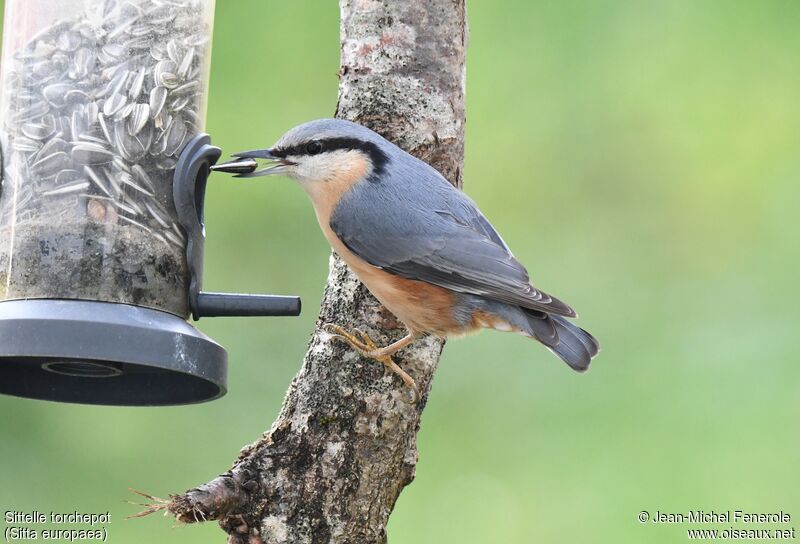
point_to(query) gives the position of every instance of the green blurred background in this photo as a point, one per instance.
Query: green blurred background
(640, 157)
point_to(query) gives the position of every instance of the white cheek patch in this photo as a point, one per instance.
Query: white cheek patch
(330, 166)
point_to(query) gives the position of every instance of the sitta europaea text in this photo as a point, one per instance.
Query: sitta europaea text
(420, 245)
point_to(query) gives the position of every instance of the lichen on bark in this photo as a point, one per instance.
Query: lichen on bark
(344, 445)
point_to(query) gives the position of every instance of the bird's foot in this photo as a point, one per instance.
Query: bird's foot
(364, 345)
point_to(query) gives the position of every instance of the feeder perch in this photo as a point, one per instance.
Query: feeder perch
(101, 204)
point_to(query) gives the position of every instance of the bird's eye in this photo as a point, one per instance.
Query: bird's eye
(313, 147)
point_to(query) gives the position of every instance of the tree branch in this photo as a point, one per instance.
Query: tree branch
(344, 445)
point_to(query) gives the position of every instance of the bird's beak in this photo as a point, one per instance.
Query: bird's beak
(245, 165)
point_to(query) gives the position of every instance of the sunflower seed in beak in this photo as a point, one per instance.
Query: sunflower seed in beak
(239, 166)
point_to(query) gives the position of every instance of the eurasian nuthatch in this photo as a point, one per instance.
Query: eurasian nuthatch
(420, 245)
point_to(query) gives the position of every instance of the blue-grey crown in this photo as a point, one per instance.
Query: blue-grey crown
(334, 134)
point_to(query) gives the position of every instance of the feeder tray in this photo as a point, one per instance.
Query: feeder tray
(106, 353)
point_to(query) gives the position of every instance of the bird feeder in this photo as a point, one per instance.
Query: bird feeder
(101, 204)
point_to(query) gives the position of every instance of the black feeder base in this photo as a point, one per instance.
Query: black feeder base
(104, 353)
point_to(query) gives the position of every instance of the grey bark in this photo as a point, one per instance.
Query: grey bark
(344, 445)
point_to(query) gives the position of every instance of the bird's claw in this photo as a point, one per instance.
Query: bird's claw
(366, 347)
(367, 341)
(357, 343)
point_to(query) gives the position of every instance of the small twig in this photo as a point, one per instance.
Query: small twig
(150, 507)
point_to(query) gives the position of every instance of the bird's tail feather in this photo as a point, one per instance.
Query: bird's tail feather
(572, 344)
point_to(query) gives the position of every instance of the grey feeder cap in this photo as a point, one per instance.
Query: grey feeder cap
(106, 353)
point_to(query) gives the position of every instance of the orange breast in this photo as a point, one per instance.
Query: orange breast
(422, 307)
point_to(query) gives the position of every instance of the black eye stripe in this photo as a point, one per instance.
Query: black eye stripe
(376, 155)
(314, 147)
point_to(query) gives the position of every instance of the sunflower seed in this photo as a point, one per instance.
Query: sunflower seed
(92, 111)
(157, 212)
(76, 96)
(159, 51)
(34, 111)
(101, 119)
(175, 137)
(124, 207)
(186, 88)
(95, 178)
(173, 51)
(138, 119)
(54, 145)
(173, 238)
(142, 177)
(78, 124)
(138, 83)
(158, 97)
(179, 103)
(118, 164)
(125, 112)
(38, 131)
(186, 64)
(55, 94)
(68, 176)
(25, 145)
(122, 27)
(178, 231)
(160, 143)
(197, 40)
(166, 163)
(51, 164)
(25, 197)
(117, 77)
(240, 166)
(44, 68)
(113, 104)
(91, 138)
(162, 67)
(160, 237)
(114, 51)
(82, 64)
(136, 223)
(145, 137)
(162, 122)
(91, 154)
(129, 146)
(134, 204)
(76, 187)
(64, 127)
(128, 180)
(116, 189)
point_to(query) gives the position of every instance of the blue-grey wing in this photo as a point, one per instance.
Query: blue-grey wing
(439, 236)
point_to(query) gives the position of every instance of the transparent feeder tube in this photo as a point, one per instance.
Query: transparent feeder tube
(99, 97)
